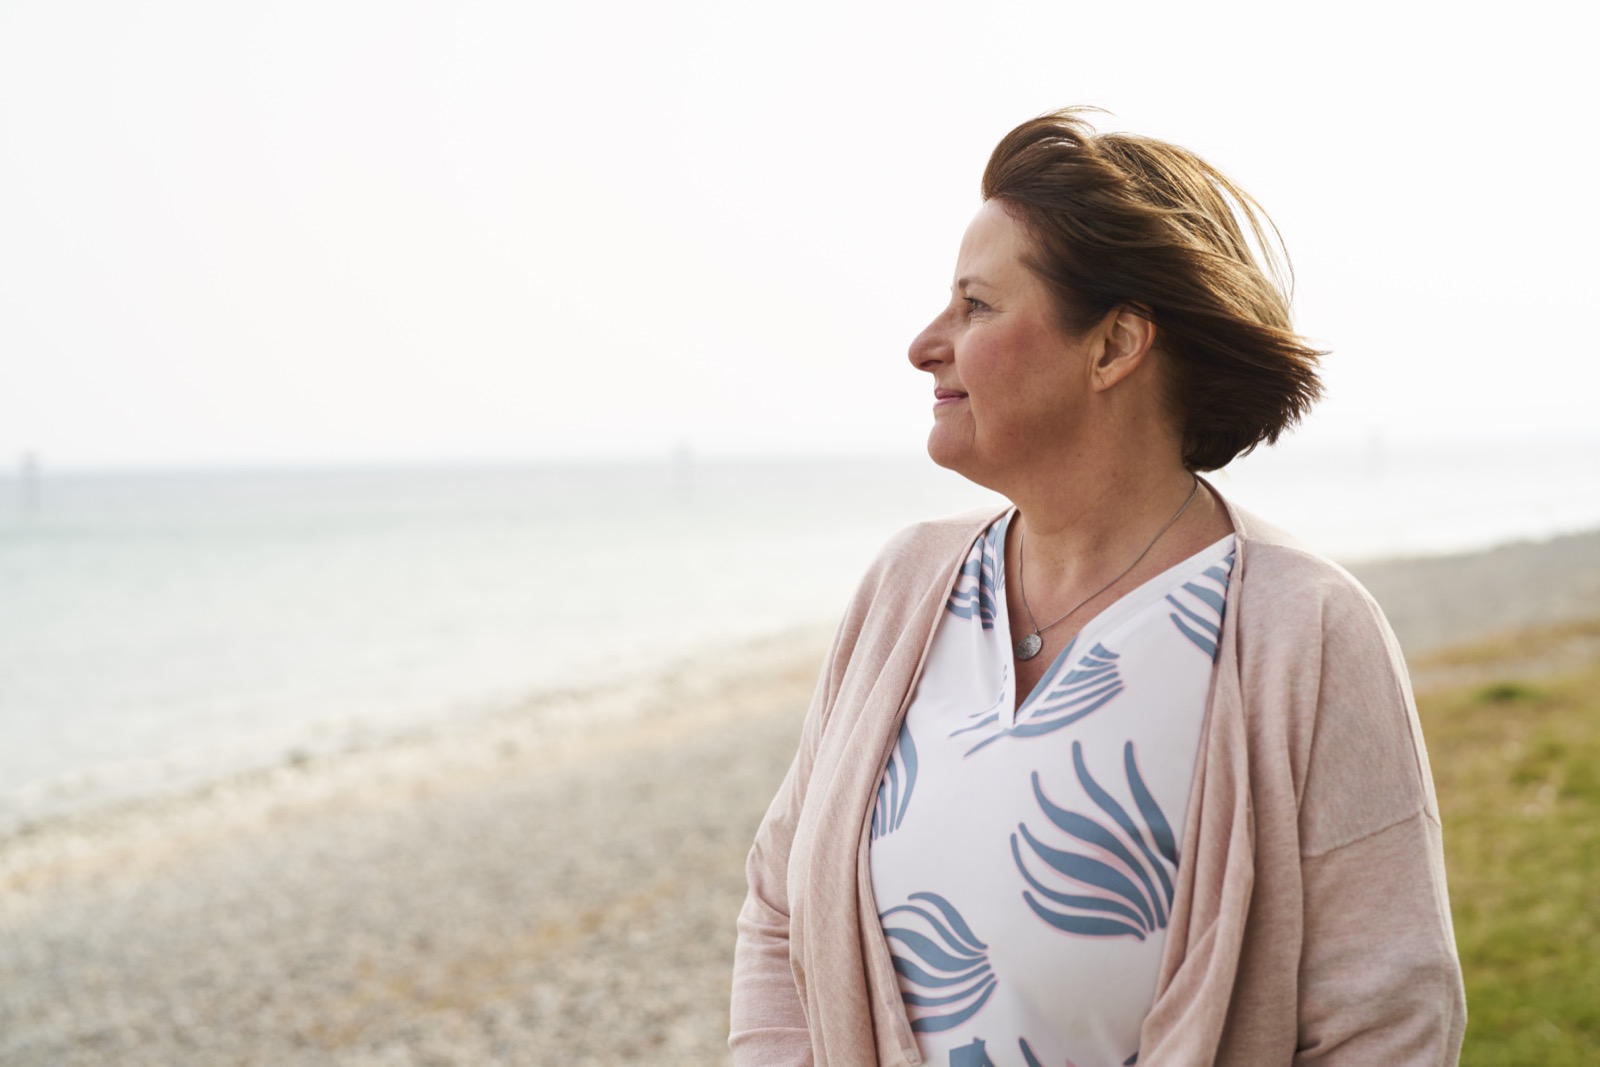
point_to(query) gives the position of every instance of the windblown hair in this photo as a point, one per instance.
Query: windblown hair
(1118, 221)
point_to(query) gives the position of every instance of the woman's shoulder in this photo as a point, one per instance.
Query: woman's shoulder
(1331, 684)
(1289, 589)
(914, 563)
(1280, 562)
(931, 546)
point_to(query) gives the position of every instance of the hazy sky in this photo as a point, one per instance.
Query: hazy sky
(341, 231)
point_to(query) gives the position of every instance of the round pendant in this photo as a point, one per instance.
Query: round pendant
(1029, 646)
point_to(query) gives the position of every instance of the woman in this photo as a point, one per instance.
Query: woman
(1119, 775)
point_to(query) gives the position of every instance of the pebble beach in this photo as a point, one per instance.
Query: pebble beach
(553, 884)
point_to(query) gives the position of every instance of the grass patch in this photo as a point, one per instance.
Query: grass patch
(1507, 693)
(1517, 766)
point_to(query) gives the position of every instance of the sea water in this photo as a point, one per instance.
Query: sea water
(156, 627)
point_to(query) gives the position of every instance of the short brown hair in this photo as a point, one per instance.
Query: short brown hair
(1118, 221)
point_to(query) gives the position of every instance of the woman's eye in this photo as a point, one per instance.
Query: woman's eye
(974, 304)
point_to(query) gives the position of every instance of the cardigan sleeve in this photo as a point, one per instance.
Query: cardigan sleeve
(767, 1024)
(1379, 978)
(767, 1019)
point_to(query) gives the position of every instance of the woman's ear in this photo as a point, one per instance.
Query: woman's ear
(1127, 335)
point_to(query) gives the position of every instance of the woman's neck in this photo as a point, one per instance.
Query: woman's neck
(1088, 522)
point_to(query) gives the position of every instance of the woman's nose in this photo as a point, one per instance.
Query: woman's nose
(928, 348)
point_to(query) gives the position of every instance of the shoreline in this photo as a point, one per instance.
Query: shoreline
(546, 715)
(547, 731)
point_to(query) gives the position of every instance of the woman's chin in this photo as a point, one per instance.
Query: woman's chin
(944, 452)
(952, 455)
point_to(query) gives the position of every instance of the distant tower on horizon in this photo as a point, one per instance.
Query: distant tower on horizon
(682, 469)
(29, 482)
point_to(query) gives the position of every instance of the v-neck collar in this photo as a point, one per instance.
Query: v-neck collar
(1125, 606)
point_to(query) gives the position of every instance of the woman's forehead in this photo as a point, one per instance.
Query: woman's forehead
(992, 249)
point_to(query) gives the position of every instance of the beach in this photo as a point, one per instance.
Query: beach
(552, 884)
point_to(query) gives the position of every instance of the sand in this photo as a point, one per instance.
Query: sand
(553, 885)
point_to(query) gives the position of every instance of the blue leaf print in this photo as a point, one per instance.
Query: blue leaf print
(1124, 889)
(1201, 607)
(989, 716)
(972, 1055)
(1092, 683)
(894, 792)
(981, 575)
(945, 972)
(1032, 1060)
(1160, 830)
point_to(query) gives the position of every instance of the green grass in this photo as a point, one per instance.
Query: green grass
(1517, 765)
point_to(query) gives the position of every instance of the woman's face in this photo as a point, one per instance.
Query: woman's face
(1009, 384)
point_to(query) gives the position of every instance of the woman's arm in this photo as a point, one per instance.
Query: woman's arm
(767, 1024)
(1380, 981)
(1379, 977)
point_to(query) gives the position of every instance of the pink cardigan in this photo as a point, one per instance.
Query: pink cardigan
(1311, 923)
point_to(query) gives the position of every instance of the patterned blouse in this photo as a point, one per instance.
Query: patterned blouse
(1023, 858)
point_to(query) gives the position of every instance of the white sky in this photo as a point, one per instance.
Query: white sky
(336, 231)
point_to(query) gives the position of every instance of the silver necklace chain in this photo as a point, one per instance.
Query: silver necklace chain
(1029, 646)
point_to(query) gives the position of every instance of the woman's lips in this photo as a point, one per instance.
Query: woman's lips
(945, 397)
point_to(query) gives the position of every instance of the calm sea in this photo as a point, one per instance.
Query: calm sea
(159, 626)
